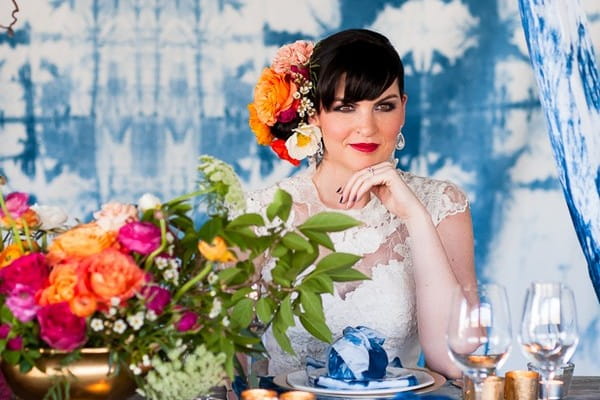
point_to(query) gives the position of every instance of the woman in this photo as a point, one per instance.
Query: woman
(342, 104)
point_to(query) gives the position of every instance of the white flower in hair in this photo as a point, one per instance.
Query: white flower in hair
(304, 142)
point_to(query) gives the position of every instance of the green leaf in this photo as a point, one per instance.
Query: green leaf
(278, 274)
(210, 229)
(264, 309)
(6, 315)
(301, 260)
(312, 304)
(280, 206)
(317, 328)
(11, 357)
(281, 337)
(329, 221)
(347, 275)
(240, 294)
(296, 242)
(228, 274)
(285, 311)
(242, 230)
(279, 251)
(321, 238)
(336, 261)
(242, 313)
(318, 283)
(247, 220)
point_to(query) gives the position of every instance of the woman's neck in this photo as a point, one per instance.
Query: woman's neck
(328, 178)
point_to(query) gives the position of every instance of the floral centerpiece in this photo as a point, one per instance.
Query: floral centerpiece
(172, 302)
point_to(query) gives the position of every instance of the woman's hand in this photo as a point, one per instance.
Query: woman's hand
(385, 182)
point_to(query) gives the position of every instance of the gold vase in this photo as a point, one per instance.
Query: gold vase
(90, 377)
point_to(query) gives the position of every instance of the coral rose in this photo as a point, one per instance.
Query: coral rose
(30, 270)
(112, 274)
(114, 215)
(60, 328)
(216, 251)
(141, 237)
(261, 131)
(81, 241)
(273, 94)
(297, 53)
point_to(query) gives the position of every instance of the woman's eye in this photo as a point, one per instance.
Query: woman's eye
(386, 106)
(344, 107)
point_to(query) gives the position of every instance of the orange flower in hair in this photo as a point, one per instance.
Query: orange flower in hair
(261, 131)
(273, 94)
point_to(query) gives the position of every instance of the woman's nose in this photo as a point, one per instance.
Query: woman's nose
(366, 124)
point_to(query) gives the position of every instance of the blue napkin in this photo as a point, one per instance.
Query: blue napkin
(352, 384)
(358, 355)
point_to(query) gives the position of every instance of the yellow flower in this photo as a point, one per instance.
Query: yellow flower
(10, 254)
(216, 251)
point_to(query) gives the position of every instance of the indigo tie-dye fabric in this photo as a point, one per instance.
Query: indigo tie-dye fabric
(105, 100)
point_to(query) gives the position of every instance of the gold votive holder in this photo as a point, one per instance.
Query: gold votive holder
(259, 394)
(559, 386)
(297, 395)
(521, 385)
(492, 388)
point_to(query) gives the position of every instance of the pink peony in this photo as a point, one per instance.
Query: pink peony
(21, 303)
(141, 237)
(16, 204)
(188, 321)
(30, 270)
(4, 331)
(297, 53)
(60, 328)
(157, 298)
(114, 215)
(15, 344)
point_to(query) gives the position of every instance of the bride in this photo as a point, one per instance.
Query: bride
(342, 104)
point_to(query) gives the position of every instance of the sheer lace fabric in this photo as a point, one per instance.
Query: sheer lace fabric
(386, 302)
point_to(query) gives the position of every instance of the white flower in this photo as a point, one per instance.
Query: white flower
(112, 312)
(170, 238)
(136, 321)
(225, 321)
(212, 278)
(146, 360)
(135, 369)
(304, 142)
(115, 301)
(96, 324)
(120, 326)
(216, 309)
(161, 262)
(50, 217)
(148, 202)
(151, 315)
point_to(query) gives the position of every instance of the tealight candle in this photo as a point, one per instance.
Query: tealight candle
(521, 385)
(259, 394)
(297, 395)
(554, 389)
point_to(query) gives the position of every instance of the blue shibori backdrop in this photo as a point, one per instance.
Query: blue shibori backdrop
(105, 100)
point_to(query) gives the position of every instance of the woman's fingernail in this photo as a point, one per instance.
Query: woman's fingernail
(354, 198)
(339, 189)
(341, 199)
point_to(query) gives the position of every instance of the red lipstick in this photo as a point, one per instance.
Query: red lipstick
(365, 147)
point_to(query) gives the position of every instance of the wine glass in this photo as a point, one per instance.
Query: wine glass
(548, 334)
(479, 331)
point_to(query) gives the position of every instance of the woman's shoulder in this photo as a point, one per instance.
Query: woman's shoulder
(441, 197)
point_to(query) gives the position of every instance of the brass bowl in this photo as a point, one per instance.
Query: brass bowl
(90, 377)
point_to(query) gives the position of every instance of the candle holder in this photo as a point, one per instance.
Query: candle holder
(521, 385)
(559, 385)
(297, 395)
(259, 394)
(492, 388)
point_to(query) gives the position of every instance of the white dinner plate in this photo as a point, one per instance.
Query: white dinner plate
(300, 381)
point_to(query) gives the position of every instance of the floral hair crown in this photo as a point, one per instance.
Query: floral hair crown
(282, 104)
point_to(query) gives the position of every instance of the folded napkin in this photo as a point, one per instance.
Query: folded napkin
(352, 384)
(358, 355)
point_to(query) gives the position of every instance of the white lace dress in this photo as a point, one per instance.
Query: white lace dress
(386, 302)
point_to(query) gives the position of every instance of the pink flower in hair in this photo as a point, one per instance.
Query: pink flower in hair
(297, 53)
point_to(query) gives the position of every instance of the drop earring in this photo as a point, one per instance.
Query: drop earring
(400, 141)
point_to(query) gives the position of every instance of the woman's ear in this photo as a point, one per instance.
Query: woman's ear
(314, 119)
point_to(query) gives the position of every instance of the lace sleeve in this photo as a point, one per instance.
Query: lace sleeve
(441, 198)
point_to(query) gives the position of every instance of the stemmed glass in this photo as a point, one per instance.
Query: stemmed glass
(479, 331)
(548, 334)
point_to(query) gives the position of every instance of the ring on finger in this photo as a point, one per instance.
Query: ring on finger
(370, 169)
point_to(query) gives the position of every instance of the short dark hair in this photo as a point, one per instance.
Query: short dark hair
(365, 59)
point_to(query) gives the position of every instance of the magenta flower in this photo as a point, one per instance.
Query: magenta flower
(4, 331)
(141, 237)
(30, 270)
(287, 115)
(60, 328)
(157, 298)
(15, 343)
(188, 321)
(16, 204)
(21, 302)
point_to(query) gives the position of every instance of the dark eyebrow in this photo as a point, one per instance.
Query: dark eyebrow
(390, 97)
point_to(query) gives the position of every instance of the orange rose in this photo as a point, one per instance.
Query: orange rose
(63, 281)
(273, 94)
(216, 251)
(112, 274)
(261, 131)
(80, 241)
